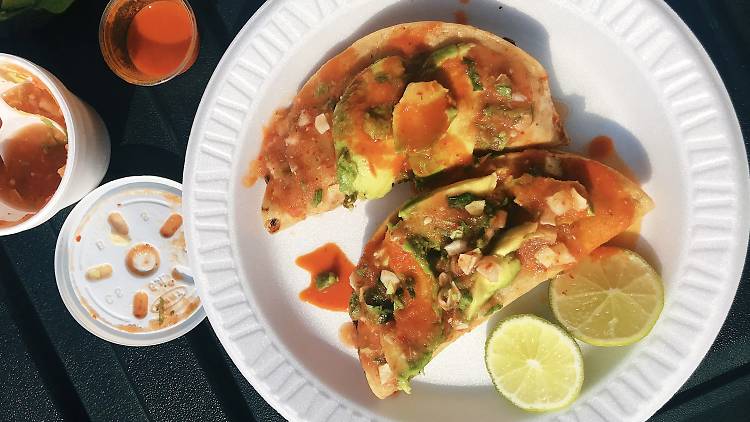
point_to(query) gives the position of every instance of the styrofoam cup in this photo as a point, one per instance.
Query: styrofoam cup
(88, 147)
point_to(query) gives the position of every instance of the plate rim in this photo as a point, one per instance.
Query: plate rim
(249, 32)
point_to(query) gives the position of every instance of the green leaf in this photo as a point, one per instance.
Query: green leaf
(462, 200)
(321, 90)
(9, 8)
(465, 300)
(346, 172)
(381, 77)
(504, 91)
(318, 197)
(471, 70)
(354, 306)
(325, 280)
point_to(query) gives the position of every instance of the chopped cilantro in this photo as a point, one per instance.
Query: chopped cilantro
(382, 77)
(471, 70)
(354, 306)
(321, 90)
(325, 280)
(462, 200)
(346, 172)
(409, 282)
(465, 300)
(318, 197)
(504, 90)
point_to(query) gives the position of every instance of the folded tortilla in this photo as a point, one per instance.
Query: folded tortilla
(450, 258)
(307, 173)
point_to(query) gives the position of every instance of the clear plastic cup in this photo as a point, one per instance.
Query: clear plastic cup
(113, 41)
(88, 147)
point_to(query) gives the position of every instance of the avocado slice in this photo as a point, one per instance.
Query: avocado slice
(367, 164)
(488, 113)
(511, 240)
(482, 289)
(421, 124)
(445, 107)
(480, 186)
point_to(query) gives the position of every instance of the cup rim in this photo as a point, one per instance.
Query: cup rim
(51, 207)
(103, 45)
(67, 290)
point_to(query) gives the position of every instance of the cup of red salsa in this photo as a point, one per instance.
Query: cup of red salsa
(148, 42)
(54, 148)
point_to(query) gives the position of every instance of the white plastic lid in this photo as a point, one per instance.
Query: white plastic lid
(90, 246)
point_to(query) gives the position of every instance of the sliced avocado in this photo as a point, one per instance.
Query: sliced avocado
(367, 164)
(445, 53)
(483, 288)
(415, 368)
(450, 69)
(421, 122)
(512, 238)
(480, 186)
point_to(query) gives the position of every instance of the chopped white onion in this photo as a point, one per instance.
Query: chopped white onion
(564, 256)
(552, 256)
(304, 119)
(475, 208)
(552, 166)
(321, 124)
(390, 281)
(518, 97)
(579, 202)
(564, 201)
(468, 261)
(548, 217)
(385, 373)
(546, 257)
(456, 247)
(546, 233)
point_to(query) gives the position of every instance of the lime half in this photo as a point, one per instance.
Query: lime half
(611, 298)
(534, 363)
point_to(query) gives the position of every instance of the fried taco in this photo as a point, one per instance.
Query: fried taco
(414, 99)
(451, 257)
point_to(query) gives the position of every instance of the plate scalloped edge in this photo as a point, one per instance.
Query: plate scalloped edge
(717, 182)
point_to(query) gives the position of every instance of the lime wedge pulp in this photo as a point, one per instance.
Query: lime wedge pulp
(534, 363)
(611, 298)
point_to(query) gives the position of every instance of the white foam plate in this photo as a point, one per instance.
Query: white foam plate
(629, 69)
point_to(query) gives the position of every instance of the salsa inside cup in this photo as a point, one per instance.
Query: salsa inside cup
(33, 145)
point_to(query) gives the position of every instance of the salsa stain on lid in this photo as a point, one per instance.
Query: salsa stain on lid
(120, 263)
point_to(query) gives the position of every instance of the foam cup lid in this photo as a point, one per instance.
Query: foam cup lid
(121, 263)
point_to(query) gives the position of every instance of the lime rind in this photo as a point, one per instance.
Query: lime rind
(552, 364)
(625, 261)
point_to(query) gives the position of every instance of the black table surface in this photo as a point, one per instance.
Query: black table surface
(52, 369)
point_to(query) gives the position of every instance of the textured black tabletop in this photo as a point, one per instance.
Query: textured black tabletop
(52, 369)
